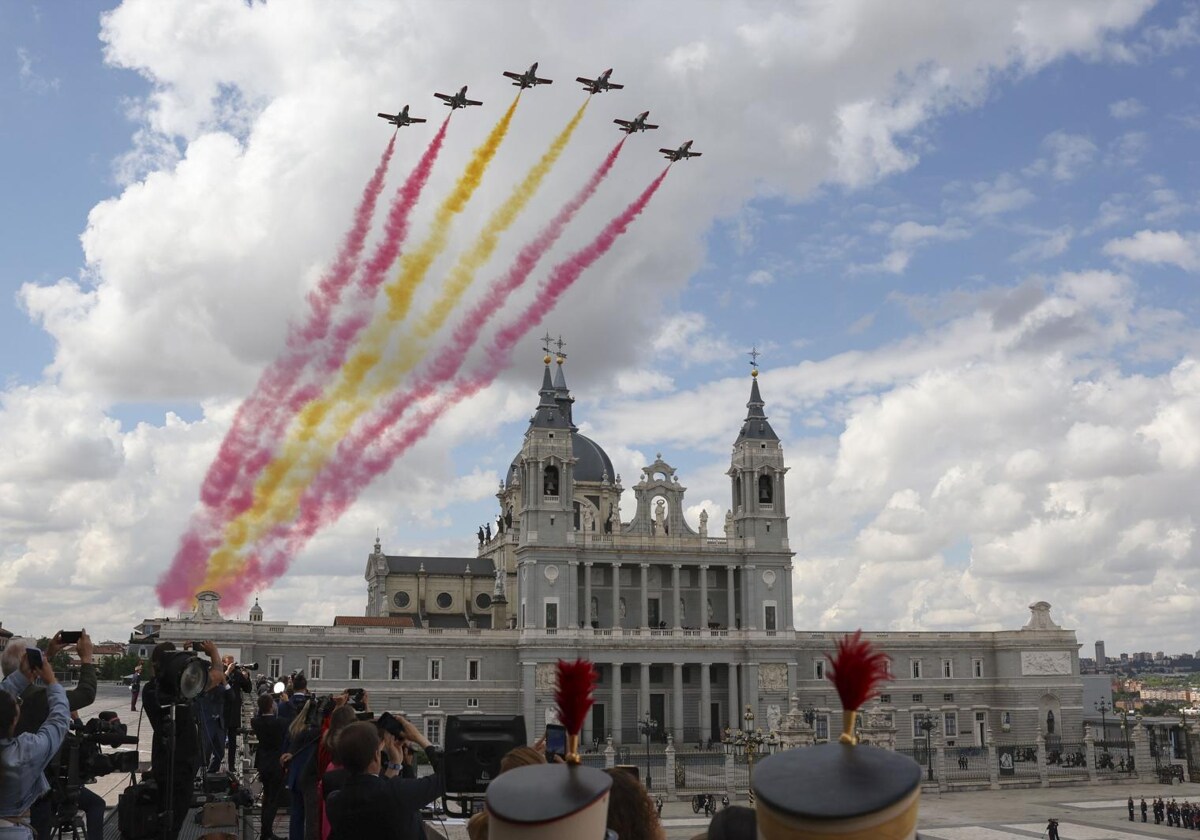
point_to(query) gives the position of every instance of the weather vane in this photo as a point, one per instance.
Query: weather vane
(560, 344)
(547, 340)
(754, 354)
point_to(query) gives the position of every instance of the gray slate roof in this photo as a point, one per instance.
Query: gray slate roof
(480, 566)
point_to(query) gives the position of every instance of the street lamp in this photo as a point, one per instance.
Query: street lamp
(1127, 734)
(1103, 707)
(647, 726)
(928, 724)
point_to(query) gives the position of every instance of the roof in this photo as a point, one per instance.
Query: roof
(756, 426)
(373, 621)
(480, 566)
(591, 461)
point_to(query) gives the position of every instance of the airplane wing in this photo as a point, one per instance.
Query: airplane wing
(689, 154)
(512, 75)
(623, 122)
(647, 125)
(667, 151)
(585, 81)
(387, 116)
(615, 86)
(444, 97)
(538, 81)
(473, 102)
(415, 119)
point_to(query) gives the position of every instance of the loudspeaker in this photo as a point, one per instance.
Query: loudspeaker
(137, 812)
(474, 746)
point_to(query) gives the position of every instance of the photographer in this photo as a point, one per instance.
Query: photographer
(24, 758)
(238, 681)
(174, 776)
(270, 732)
(373, 800)
(34, 711)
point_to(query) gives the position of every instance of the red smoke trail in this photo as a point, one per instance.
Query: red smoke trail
(338, 485)
(247, 448)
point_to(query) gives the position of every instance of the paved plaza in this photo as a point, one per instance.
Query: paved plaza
(1084, 813)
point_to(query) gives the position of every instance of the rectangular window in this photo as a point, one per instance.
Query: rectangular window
(950, 724)
(918, 698)
(433, 730)
(656, 673)
(977, 667)
(626, 674)
(274, 667)
(917, 718)
(434, 703)
(551, 614)
(769, 617)
(916, 669)
(821, 727)
(314, 667)
(887, 666)
(472, 702)
(948, 668)
(356, 668)
(396, 669)
(885, 698)
(819, 669)
(947, 698)
(435, 669)
(473, 666)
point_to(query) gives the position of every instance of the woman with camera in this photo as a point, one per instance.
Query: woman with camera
(23, 758)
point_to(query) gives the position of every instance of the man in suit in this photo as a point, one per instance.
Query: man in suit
(270, 732)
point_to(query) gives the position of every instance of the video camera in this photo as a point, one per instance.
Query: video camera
(91, 761)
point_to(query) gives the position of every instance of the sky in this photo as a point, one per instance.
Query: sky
(965, 238)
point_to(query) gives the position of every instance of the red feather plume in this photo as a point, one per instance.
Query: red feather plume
(576, 680)
(857, 670)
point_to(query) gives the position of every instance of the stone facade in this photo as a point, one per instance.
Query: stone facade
(686, 627)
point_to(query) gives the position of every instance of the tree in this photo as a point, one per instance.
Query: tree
(117, 667)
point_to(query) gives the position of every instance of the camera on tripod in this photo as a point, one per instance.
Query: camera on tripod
(81, 761)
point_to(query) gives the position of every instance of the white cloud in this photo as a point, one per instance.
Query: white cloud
(760, 277)
(1003, 195)
(1046, 245)
(689, 338)
(905, 239)
(30, 80)
(1158, 247)
(1070, 154)
(1125, 109)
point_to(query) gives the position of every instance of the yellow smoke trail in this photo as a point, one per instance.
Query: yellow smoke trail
(300, 462)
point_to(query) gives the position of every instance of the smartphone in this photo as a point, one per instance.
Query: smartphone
(356, 698)
(70, 637)
(556, 739)
(34, 656)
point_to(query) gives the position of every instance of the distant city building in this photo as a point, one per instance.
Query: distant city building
(1101, 661)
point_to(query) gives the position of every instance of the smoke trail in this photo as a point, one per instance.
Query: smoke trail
(302, 457)
(338, 486)
(249, 444)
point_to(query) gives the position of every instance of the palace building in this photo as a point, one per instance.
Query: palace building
(686, 626)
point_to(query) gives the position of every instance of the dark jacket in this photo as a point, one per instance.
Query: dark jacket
(271, 732)
(35, 707)
(380, 808)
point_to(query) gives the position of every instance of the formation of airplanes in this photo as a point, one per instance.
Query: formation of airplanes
(529, 79)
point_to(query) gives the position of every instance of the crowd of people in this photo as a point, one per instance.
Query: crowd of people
(1178, 814)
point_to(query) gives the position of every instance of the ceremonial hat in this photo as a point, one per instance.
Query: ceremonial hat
(841, 789)
(555, 801)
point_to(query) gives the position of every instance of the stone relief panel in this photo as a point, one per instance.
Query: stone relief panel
(1045, 662)
(772, 676)
(544, 677)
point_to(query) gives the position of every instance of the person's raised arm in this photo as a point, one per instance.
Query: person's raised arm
(84, 692)
(216, 673)
(46, 742)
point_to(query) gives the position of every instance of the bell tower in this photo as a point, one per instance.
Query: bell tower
(757, 472)
(546, 466)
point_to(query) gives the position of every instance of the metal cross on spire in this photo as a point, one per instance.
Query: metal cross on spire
(754, 354)
(560, 344)
(547, 340)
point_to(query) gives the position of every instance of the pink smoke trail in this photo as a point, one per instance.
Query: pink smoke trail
(338, 485)
(247, 448)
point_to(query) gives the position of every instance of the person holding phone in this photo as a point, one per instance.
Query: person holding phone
(24, 757)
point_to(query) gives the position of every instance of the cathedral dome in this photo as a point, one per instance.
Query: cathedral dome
(591, 462)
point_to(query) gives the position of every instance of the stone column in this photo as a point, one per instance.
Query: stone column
(615, 714)
(610, 755)
(616, 601)
(939, 761)
(677, 704)
(703, 625)
(529, 695)
(732, 605)
(1143, 762)
(1089, 753)
(705, 701)
(1043, 769)
(675, 611)
(789, 616)
(587, 594)
(669, 767)
(793, 676)
(752, 694)
(644, 694)
(734, 713)
(750, 603)
(993, 760)
(645, 617)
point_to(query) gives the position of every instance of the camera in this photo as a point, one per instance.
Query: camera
(357, 696)
(80, 761)
(249, 666)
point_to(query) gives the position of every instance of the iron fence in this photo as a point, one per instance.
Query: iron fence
(967, 764)
(593, 760)
(927, 758)
(1017, 761)
(1113, 758)
(700, 771)
(1066, 759)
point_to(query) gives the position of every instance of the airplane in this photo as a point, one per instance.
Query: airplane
(638, 124)
(600, 83)
(529, 78)
(401, 119)
(458, 100)
(682, 153)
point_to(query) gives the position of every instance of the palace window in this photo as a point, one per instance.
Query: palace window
(918, 698)
(977, 667)
(473, 666)
(821, 727)
(356, 668)
(395, 669)
(435, 669)
(314, 667)
(950, 724)
(916, 669)
(885, 698)
(947, 698)
(434, 703)
(948, 668)
(433, 730)
(819, 669)
(917, 718)
(274, 667)
(472, 702)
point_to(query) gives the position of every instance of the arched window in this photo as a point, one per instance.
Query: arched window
(765, 490)
(550, 481)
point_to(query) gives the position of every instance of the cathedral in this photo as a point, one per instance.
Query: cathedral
(687, 628)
